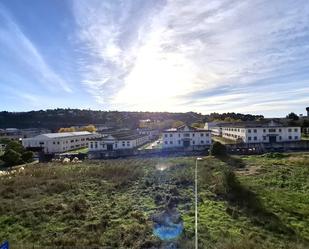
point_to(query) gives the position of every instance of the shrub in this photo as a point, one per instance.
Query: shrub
(27, 156)
(11, 157)
(218, 149)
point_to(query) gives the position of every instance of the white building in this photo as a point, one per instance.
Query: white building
(186, 136)
(59, 142)
(117, 141)
(258, 132)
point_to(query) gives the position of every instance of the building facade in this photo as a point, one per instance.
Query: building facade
(59, 142)
(261, 133)
(186, 136)
(118, 141)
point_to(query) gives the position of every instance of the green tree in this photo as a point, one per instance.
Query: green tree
(11, 157)
(292, 116)
(217, 149)
(27, 156)
(16, 146)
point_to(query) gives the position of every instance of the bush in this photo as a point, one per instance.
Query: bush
(27, 156)
(218, 149)
(11, 157)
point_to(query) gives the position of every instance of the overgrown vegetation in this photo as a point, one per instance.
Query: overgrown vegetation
(262, 204)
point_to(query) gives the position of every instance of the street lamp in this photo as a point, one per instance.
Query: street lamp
(196, 240)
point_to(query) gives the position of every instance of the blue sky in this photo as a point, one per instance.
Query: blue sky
(156, 55)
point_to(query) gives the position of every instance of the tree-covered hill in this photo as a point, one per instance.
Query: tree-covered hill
(56, 118)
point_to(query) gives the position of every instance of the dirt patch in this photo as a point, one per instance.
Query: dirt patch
(248, 170)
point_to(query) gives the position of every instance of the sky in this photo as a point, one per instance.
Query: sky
(155, 55)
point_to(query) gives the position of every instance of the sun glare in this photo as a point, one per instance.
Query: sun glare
(157, 75)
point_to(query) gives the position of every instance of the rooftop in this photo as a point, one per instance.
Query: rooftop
(253, 124)
(63, 134)
(119, 137)
(186, 128)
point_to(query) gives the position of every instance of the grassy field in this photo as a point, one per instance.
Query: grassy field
(244, 202)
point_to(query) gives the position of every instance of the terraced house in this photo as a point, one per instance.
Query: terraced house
(186, 136)
(261, 132)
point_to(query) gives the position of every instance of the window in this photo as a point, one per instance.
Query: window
(280, 130)
(272, 130)
(290, 137)
(202, 134)
(165, 142)
(179, 142)
(249, 138)
(193, 142)
(54, 142)
(280, 138)
(171, 135)
(296, 137)
(207, 135)
(255, 138)
(58, 142)
(171, 142)
(128, 143)
(254, 130)
(165, 135)
(296, 130)
(91, 145)
(264, 138)
(290, 130)
(179, 135)
(202, 141)
(249, 131)
(123, 144)
(264, 130)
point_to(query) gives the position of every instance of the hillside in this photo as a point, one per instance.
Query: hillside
(54, 119)
(244, 202)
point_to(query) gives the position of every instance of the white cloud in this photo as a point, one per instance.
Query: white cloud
(156, 57)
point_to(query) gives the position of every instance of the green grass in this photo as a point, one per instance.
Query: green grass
(109, 203)
(80, 150)
(305, 136)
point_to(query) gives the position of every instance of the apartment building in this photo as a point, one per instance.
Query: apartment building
(186, 136)
(258, 132)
